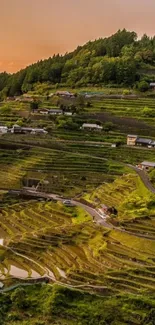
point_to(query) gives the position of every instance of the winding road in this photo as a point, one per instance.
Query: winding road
(144, 177)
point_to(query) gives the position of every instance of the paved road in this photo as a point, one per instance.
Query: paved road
(98, 218)
(144, 177)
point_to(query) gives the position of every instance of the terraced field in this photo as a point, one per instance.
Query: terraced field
(134, 203)
(124, 107)
(65, 245)
(65, 172)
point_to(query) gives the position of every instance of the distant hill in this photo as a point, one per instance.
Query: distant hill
(119, 60)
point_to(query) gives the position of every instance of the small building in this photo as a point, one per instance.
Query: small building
(44, 111)
(55, 111)
(143, 142)
(153, 144)
(68, 113)
(65, 94)
(146, 165)
(38, 131)
(88, 126)
(27, 130)
(134, 140)
(3, 129)
(131, 139)
(16, 128)
(152, 85)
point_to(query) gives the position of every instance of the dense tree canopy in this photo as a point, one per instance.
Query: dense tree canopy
(118, 60)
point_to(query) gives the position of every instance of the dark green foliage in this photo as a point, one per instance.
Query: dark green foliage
(143, 86)
(117, 60)
(60, 305)
(34, 105)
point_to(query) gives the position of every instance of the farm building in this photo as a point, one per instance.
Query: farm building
(3, 129)
(153, 144)
(87, 126)
(38, 131)
(65, 94)
(143, 142)
(131, 140)
(134, 140)
(44, 111)
(26, 130)
(146, 165)
(152, 85)
(55, 111)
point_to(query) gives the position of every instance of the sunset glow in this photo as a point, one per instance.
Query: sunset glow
(35, 29)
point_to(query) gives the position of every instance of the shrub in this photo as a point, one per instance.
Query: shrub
(143, 86)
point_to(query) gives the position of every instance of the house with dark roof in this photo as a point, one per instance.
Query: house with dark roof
(143, 142)
(153, 144)
(134, 140)
(55, 111)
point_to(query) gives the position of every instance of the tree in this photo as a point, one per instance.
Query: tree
(34, 105)
(80, 101)
(18, 297)
(108, 126)
(143, 86)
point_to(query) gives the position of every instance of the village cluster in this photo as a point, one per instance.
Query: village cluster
(22, 130)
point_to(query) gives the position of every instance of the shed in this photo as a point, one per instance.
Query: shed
(3, 129)
(91, 126)
(147, 164)
(153, 143)
(55, 111)
(131, 139)
(152, 85)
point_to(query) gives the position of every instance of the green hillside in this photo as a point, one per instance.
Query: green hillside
(120, 60)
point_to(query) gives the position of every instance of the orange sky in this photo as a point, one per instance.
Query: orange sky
(34, 29)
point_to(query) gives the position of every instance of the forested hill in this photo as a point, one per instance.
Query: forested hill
(121, 59)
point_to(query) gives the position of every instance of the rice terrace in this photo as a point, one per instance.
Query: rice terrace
(77, 187)
(77, 246)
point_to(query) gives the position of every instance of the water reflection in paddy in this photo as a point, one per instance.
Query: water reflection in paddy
(17, 272)
(1, 241)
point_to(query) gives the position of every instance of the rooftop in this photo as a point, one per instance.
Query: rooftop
(87, 125)
(55, 110)
(144, 140)
(148, 164)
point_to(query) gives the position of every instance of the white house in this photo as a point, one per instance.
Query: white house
(88, 126)
(38, 131)
(3, 129)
